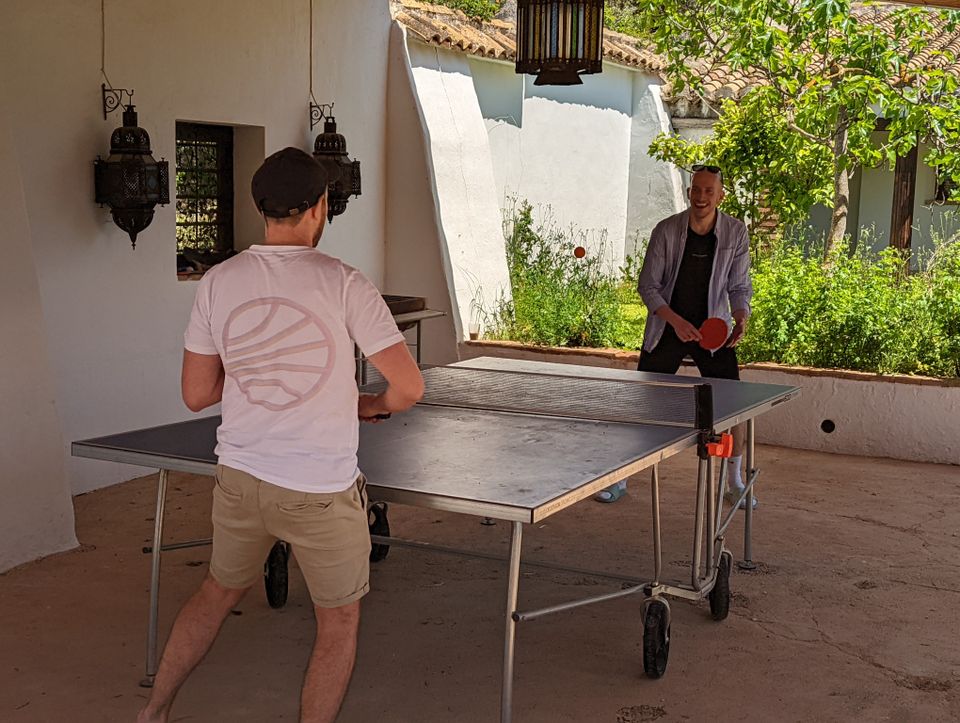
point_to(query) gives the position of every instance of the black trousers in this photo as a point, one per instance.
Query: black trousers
(670, 352)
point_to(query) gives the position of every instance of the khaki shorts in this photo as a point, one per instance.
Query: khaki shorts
(328, 533)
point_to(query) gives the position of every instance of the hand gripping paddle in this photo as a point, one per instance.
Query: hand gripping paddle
(714, 333)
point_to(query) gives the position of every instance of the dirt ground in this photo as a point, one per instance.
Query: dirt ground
(852, 614)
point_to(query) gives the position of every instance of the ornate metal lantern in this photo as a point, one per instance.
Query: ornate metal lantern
(330, 150)
(559, 41)
(130, 181)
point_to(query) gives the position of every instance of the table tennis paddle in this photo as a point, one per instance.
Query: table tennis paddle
(714, 333)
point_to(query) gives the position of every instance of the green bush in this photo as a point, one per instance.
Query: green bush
(859, 311)
(558, 299)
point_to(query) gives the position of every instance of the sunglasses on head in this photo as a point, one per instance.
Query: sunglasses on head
(697, 167)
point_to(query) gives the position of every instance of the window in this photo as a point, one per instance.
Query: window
(945, 188)
(205, 234)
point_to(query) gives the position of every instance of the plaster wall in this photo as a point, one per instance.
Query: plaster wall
(36, 514)
(463, 180)
(415, 248)
(566, 150)
(873, 417)
(113, 317)
(656, 189)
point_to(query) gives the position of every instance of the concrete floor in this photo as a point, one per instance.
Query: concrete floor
(851, 616)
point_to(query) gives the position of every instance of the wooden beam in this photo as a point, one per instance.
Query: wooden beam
(904, 189)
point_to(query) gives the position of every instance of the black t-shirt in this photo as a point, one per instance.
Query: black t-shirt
(692, 291)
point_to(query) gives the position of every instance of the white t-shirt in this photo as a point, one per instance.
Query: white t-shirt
(284, 320)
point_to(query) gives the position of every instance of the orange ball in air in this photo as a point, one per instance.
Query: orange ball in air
(579, 252)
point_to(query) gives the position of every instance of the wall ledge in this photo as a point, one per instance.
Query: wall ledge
(621, 358)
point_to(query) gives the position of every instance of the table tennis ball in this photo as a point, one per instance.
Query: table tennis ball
(579, 252)
(279, 353)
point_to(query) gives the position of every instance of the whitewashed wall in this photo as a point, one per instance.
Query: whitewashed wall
(36, 516)
(577, 154)
(570, 154)
(415, 239)
(463, 180)
(930, 220)
(656, 189)
(113, 317)
(873, 417)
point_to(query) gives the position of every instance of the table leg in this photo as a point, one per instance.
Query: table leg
(747, 563)
(655, 502)
(513, 585)
(711, 515)
(147, 682)
(698, 526)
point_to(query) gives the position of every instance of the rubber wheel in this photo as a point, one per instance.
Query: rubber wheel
(275, 574)
(379, 525)
(656, 639)
(720, 595)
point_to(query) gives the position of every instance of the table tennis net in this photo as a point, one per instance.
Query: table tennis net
(604, 400)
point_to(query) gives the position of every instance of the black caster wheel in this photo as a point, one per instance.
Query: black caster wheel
(275, 574)
(379, 526)
(656, 638)
(720, 595)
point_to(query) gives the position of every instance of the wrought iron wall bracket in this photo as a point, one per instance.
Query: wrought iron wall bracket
(113, 98)
(319, 112)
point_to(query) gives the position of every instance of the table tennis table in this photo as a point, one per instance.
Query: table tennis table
(492, 438)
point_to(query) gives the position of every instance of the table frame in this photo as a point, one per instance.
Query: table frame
(709, 530)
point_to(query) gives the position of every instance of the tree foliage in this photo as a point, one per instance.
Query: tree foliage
(822, 72)
(766, 167)
(476, 9)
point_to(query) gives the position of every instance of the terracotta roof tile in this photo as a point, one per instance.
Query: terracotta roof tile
(449, 28)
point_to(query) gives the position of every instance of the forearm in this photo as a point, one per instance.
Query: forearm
(393, 400)
(667, 314)
(740, 315)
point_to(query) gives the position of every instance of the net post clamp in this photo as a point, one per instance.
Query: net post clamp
(721, 446)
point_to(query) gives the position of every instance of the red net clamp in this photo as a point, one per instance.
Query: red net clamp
(722, 448)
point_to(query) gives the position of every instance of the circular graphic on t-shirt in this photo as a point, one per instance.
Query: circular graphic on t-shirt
(279, 353)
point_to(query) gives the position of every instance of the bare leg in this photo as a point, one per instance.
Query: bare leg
(194, 631)
(331, 663)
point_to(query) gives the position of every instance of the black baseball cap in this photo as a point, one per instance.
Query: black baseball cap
(288, 183)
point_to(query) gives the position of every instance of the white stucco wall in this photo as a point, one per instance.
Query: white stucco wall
(656, 189)
(566, 150)
(871, 199)
(114, 317)
(36, 514)
(896, 419)
(462, 168)
(414, 263)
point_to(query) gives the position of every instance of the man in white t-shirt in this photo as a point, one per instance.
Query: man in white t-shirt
(272, 336)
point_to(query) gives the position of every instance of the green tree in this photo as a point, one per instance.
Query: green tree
(766, 166)
(823, 72)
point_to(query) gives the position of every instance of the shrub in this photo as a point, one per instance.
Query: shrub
(558, 299)
(859, 311)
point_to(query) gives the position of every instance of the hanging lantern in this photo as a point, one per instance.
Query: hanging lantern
(330, 150)
(130, 181)
(559, 41)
